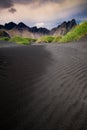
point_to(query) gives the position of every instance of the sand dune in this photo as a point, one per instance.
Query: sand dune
(43, 87)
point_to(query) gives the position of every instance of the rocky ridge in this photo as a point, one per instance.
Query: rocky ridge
(22, 30)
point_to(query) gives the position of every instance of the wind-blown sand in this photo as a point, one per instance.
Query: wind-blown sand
(43, 87)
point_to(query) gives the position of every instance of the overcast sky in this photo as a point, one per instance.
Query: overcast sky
(45, 13)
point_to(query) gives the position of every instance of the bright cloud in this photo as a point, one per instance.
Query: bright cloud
(40, 25)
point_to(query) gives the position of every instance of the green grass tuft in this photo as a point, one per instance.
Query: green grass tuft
(20, 40)
(57, 39)
(4, 39)
(46, 39)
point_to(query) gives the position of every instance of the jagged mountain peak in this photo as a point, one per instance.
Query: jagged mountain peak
(22, 29)
(1, 26)
(63, 28)
(22, 25)
(10, 25)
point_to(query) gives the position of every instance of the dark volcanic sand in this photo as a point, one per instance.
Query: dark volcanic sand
(43, 87)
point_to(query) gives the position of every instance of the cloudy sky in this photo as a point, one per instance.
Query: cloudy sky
(45, 13)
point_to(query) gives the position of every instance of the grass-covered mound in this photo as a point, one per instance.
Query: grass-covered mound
(20, 40)
(76, 33)
(57, 38)
(4, 39)
(45, 39)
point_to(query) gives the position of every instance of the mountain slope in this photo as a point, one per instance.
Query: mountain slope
(9, 26)
(77, 33)
(4, 34)
(20, 30)
(63, 28)
(23, 30)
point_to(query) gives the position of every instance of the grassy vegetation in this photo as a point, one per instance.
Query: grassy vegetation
(76, 33)
(57, 39)
(46, 39)
(20, 40)
(4, 39)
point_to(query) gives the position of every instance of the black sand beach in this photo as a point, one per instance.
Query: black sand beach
(43, 87)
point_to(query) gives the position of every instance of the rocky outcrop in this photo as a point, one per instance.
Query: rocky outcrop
(63, 28)
(9, 26)
(20, 30)
(40, 30)
(4, 34)
(1, 27)
(23, 30)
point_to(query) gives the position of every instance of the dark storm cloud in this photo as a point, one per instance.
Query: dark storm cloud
(10, 3)
(12, 10)
(39, 1)
(6, 3)
(82, 12)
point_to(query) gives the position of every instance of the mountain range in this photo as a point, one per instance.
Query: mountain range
(12, 29)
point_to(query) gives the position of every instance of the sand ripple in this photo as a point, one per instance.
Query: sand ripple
(44, 87)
